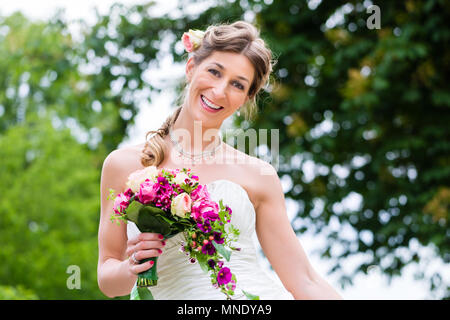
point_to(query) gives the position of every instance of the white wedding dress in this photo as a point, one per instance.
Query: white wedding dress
(178, 279)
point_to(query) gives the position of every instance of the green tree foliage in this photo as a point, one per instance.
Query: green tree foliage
(43, 71)
(16, 293)
(49, 213)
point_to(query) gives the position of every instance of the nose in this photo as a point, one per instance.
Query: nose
(219, 90)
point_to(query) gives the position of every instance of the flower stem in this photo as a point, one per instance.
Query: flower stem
(148, 278)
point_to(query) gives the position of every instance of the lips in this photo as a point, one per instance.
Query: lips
(205, 105)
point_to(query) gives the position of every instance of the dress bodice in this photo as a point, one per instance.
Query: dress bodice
(178, 279)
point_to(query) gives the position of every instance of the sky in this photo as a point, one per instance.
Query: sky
(366, 287)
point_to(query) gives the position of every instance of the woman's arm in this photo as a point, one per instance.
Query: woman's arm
(281, 246)
(113, 274)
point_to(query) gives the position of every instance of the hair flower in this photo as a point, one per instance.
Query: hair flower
(192, 39)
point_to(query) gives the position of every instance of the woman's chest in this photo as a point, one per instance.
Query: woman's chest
(208, 173)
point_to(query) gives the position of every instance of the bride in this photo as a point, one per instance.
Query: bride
(229, 64)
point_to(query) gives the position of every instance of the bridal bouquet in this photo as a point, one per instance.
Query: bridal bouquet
(172, 201)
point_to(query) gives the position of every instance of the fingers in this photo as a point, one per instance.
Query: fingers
(138, 268)
(145, 236)
(149, 249)
(145, 254)
(145, 245)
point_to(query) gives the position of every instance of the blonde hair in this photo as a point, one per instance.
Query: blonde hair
(238, 37)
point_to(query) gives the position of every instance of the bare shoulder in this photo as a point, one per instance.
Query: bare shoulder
(265, 178)
(118, 165)
(267, 188)
(122, 158)
(256, 175)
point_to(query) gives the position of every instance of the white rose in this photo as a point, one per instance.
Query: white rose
(181, 205)
(152, 173)
(179, 179)
(137, 177)
(196, 37)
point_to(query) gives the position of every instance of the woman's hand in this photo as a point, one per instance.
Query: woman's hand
(145, 245)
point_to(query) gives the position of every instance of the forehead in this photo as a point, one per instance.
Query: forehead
(235, 63)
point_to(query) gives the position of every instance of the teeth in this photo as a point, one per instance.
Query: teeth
(210, 104)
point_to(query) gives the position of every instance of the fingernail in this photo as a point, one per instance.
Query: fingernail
(159, 250)
(151, 263)
(163, 243)
(161, 236)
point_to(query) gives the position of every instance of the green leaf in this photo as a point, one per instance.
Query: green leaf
(133, 211)
(221, 249)
(147, 222)
(203, 265)
(140, 293)
(148, 218)
(250, 296)
(167, 220)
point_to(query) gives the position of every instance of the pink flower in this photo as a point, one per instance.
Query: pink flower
(232, 285)
(200, 193)
(120, 203)
(129, 193)
(188, 45)
(192, 39)
(205, 209)
(164, 193)
(147, 192)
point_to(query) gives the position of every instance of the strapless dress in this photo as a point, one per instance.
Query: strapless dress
(179, 279)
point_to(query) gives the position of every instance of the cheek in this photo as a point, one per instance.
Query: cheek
(239, 100)
(200, 82)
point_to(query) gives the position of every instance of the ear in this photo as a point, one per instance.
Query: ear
(190, 66)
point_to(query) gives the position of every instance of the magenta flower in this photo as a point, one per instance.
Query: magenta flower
(210, 215)
(205, 227)
(224, 276)
(120, 203)
(164, 193)
(200, 193)
(208, 249)
(218, 237)
(129, 193)
(208, 210)
(147, 193)
(211, 263)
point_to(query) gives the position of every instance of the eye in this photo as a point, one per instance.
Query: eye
(238, 85)
(214, 72)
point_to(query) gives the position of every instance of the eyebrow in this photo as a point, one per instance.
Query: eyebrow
(222, 67)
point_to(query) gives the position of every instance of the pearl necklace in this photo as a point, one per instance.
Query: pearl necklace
(195, 158)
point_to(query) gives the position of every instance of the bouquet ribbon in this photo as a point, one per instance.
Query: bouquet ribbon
(151, 219)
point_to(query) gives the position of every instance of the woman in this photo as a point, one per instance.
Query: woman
(229, 65)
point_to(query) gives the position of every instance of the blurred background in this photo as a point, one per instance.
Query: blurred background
(360, 101)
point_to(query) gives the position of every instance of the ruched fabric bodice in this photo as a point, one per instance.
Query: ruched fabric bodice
(178, 279)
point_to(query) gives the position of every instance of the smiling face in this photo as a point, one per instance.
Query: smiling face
(221, 81)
